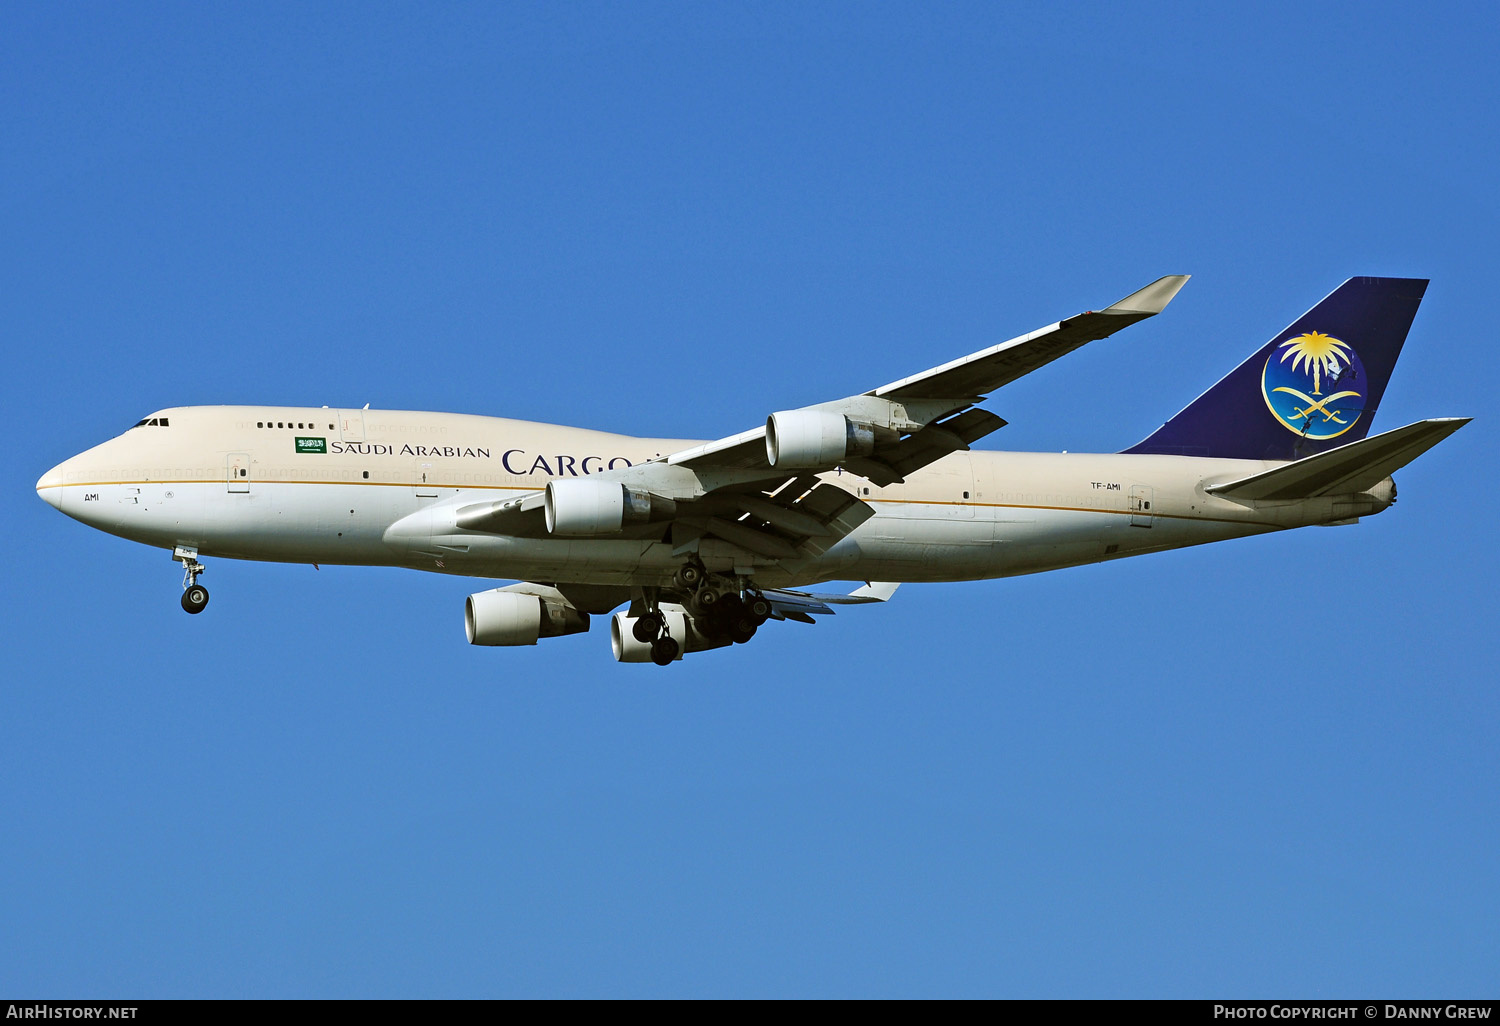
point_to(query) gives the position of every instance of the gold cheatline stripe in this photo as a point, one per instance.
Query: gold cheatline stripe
(522, 488)
(267, 481)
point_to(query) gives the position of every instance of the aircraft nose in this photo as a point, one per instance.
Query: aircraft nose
(49, 487)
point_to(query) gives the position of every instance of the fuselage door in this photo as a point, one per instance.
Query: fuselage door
(1140, 506)
(426, 486)
(352, 425)
(238, 471)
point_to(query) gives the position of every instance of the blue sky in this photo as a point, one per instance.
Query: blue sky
(1179, 775)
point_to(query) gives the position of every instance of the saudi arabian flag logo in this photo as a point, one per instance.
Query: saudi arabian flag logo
(1314, 384)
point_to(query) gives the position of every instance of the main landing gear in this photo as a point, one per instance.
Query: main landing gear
(723, 608)
(722, 605)
(194, 595)
(652, 627)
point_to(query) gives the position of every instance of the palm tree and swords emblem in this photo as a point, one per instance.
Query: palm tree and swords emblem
(1324, 360)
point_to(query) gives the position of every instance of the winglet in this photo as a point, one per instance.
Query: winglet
(1152, 299)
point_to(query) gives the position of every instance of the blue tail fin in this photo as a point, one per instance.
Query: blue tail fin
(1313, 387)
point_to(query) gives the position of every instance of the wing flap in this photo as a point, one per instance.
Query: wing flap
(802, 519)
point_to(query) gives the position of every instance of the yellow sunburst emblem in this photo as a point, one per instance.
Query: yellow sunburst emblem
(1322, 353)
(1314, 359)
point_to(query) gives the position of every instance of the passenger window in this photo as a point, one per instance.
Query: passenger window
(260, 424)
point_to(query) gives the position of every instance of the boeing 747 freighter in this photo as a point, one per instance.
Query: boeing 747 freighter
(703, 542)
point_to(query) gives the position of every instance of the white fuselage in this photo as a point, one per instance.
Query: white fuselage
(376, 487)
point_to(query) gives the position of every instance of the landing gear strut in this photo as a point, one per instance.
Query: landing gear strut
(194, 595)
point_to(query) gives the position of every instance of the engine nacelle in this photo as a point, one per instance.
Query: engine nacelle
(585, 509)
(815, 439)
(681, 626)
(503, 617)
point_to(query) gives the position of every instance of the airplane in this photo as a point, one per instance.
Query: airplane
(704, 542)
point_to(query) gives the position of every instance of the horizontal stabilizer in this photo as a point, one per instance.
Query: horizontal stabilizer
(1350, 468)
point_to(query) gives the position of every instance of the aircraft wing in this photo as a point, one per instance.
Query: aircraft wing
(802, 606)
(784, 520)
(920, 419)
(757, 496)
(972, 377)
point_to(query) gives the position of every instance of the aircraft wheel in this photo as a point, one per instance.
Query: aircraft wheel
(194, 598)
(701, 603)
(760, 608)
(647, 627)
(664, 650)
(689, 576)
(742, 630)
(728, 609)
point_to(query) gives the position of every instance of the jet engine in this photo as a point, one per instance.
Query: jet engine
(817, 439)
(683, 628)
(583, 509)
(506, 617)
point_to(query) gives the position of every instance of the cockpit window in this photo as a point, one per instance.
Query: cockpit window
(150, 422)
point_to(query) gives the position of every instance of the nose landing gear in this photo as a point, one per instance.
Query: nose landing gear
(194, 598)
(194, 595)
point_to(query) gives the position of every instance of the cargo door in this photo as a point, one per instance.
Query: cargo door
(424, 481)
(352, 425)
(1140, 506)
(237, 471)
